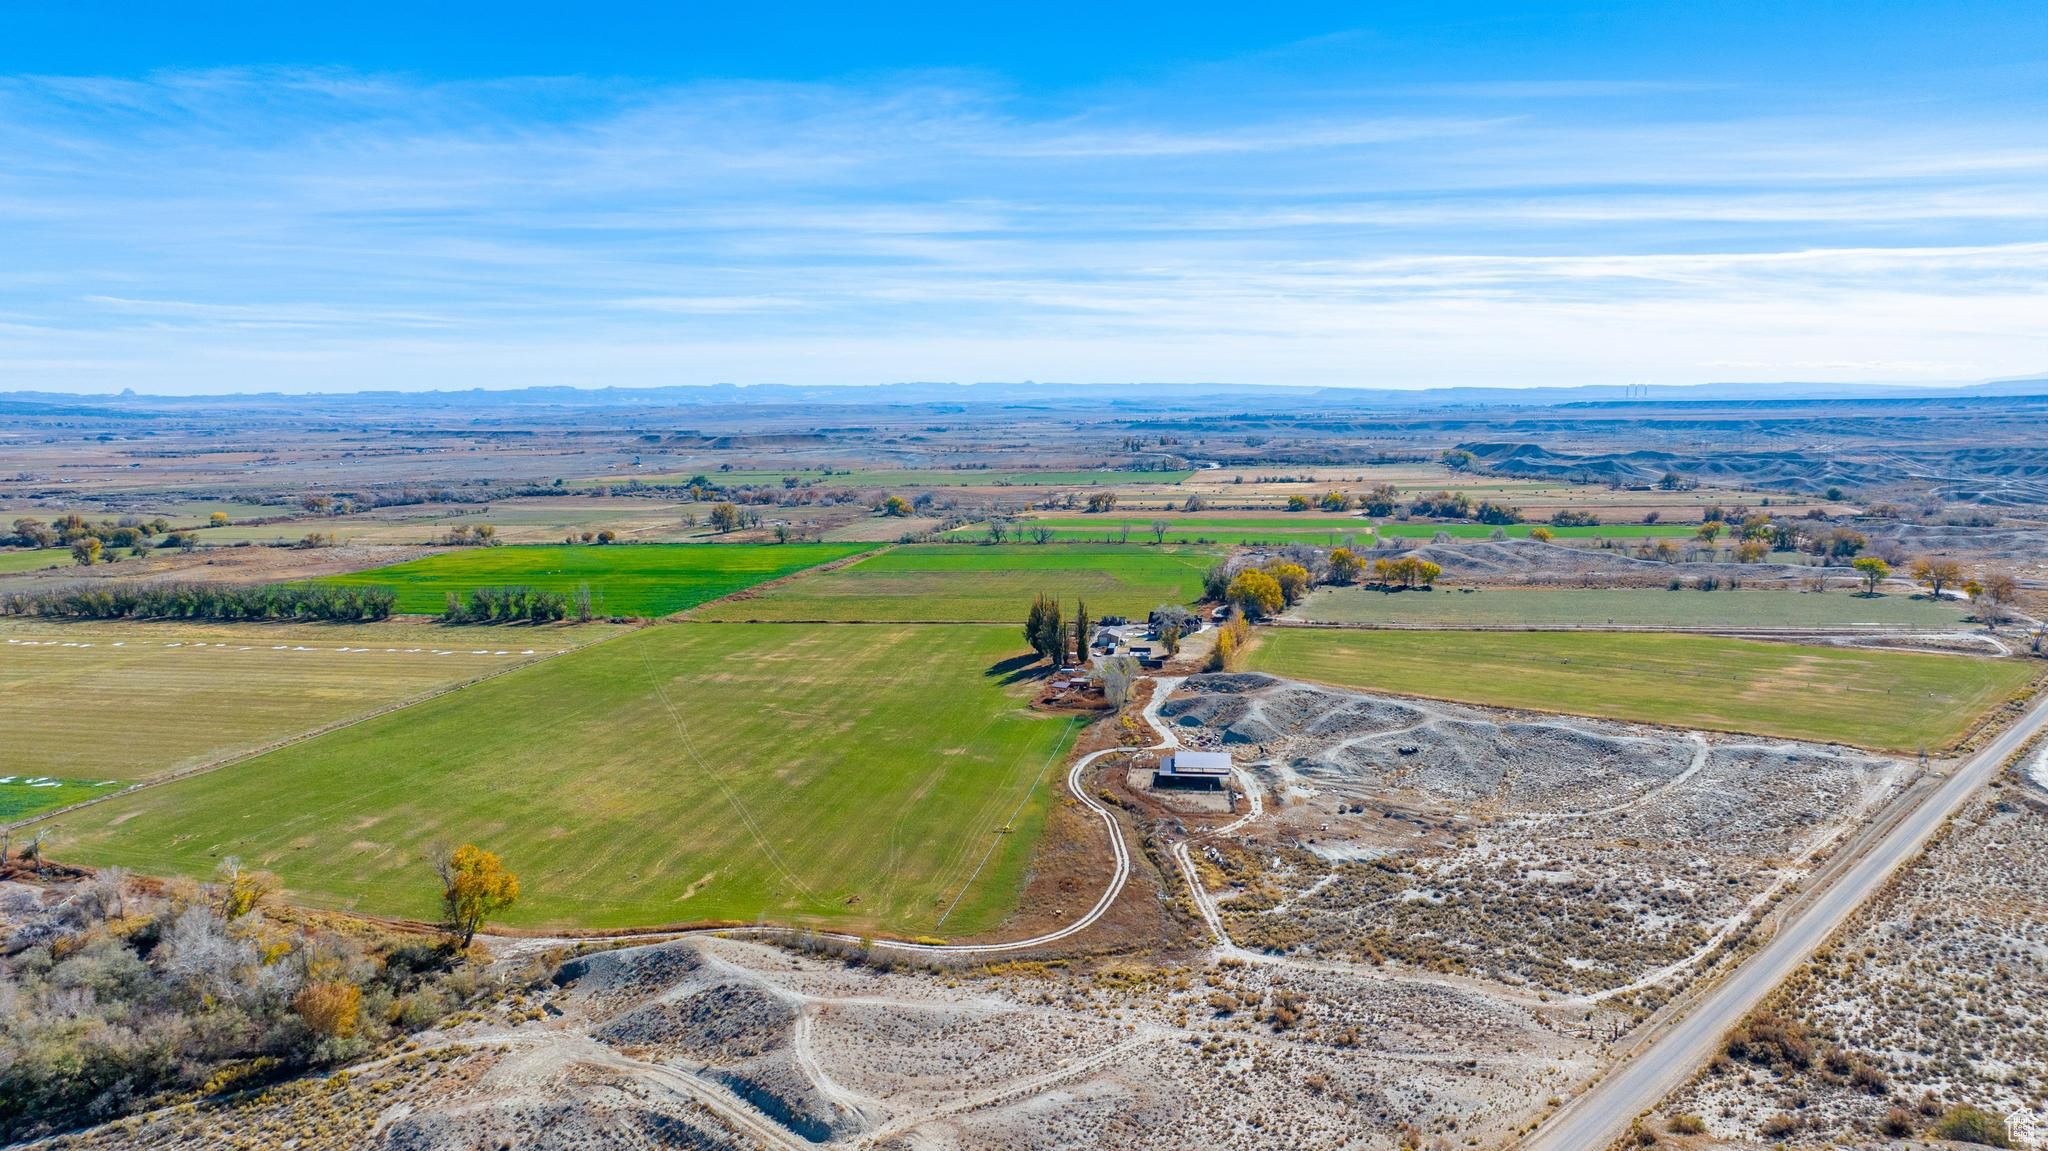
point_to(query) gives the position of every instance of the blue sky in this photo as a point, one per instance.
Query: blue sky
(251, 197)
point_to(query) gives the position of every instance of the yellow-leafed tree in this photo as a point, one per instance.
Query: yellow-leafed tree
(474, 886)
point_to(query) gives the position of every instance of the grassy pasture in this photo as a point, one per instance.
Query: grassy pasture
(28, 560)
(135, 700)
(1893, 700)
(975, 583)
(1626, 606)
(630, 580)
(856, 775)
(22, 796)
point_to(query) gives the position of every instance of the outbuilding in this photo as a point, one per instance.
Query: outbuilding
(1207, 770)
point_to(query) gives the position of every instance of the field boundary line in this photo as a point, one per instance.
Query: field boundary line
(279, 744)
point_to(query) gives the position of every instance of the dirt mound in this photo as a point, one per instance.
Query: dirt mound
(728, 1020)
(1523, 767)
(779, 1088)
(612, 978)
(596, 1116)
(1227, 682)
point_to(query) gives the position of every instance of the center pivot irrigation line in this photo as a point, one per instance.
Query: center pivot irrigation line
(1008, 823)
(746, 817)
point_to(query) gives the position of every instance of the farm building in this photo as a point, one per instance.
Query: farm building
(1194, 769)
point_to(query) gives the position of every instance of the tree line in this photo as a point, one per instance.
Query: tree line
(516, 605)
(199, 601)
(1049, 632)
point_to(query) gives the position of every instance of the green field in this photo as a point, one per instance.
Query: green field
(20, 560)
(1894, 700)
(136, 700)
(970, 583)
(1627, 607)
(24, 795)
(625, 580)
(854, 774)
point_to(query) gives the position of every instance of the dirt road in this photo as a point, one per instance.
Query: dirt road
(1603, 1113)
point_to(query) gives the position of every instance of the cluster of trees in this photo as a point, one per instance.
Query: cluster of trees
(1442, 506)
(1566, 518)
(126, 996)
(516, 605)
(1992, 594)
(206, 602)
(1269, 589)
(728, 517)
(1489, 512)
(127, 532)
(1405, 572)
(1170, 622)
(1099, 502)
(92, 541)
(467, 535)
(1051, 635)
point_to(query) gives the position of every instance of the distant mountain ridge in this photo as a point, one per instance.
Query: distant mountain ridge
(1029, 393)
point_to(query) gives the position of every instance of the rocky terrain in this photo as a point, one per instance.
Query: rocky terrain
(1934, 999)
(717, 1043)
(1569, 858)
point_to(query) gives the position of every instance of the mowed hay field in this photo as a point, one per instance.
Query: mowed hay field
(624, 579)
(1634, 607)
(1887, 700)
(857, 774)
(986, 583)
(100, 700)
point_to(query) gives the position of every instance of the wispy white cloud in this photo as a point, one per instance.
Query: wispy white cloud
(259, 228)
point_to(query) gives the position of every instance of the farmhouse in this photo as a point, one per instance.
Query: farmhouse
(1209, 770)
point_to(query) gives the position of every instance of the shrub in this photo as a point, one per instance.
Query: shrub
(1973, 1125)
(1771, 1041)
(1687, 1125)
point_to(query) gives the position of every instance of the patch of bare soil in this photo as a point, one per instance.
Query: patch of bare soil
(236, 565)
(1525, 562)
